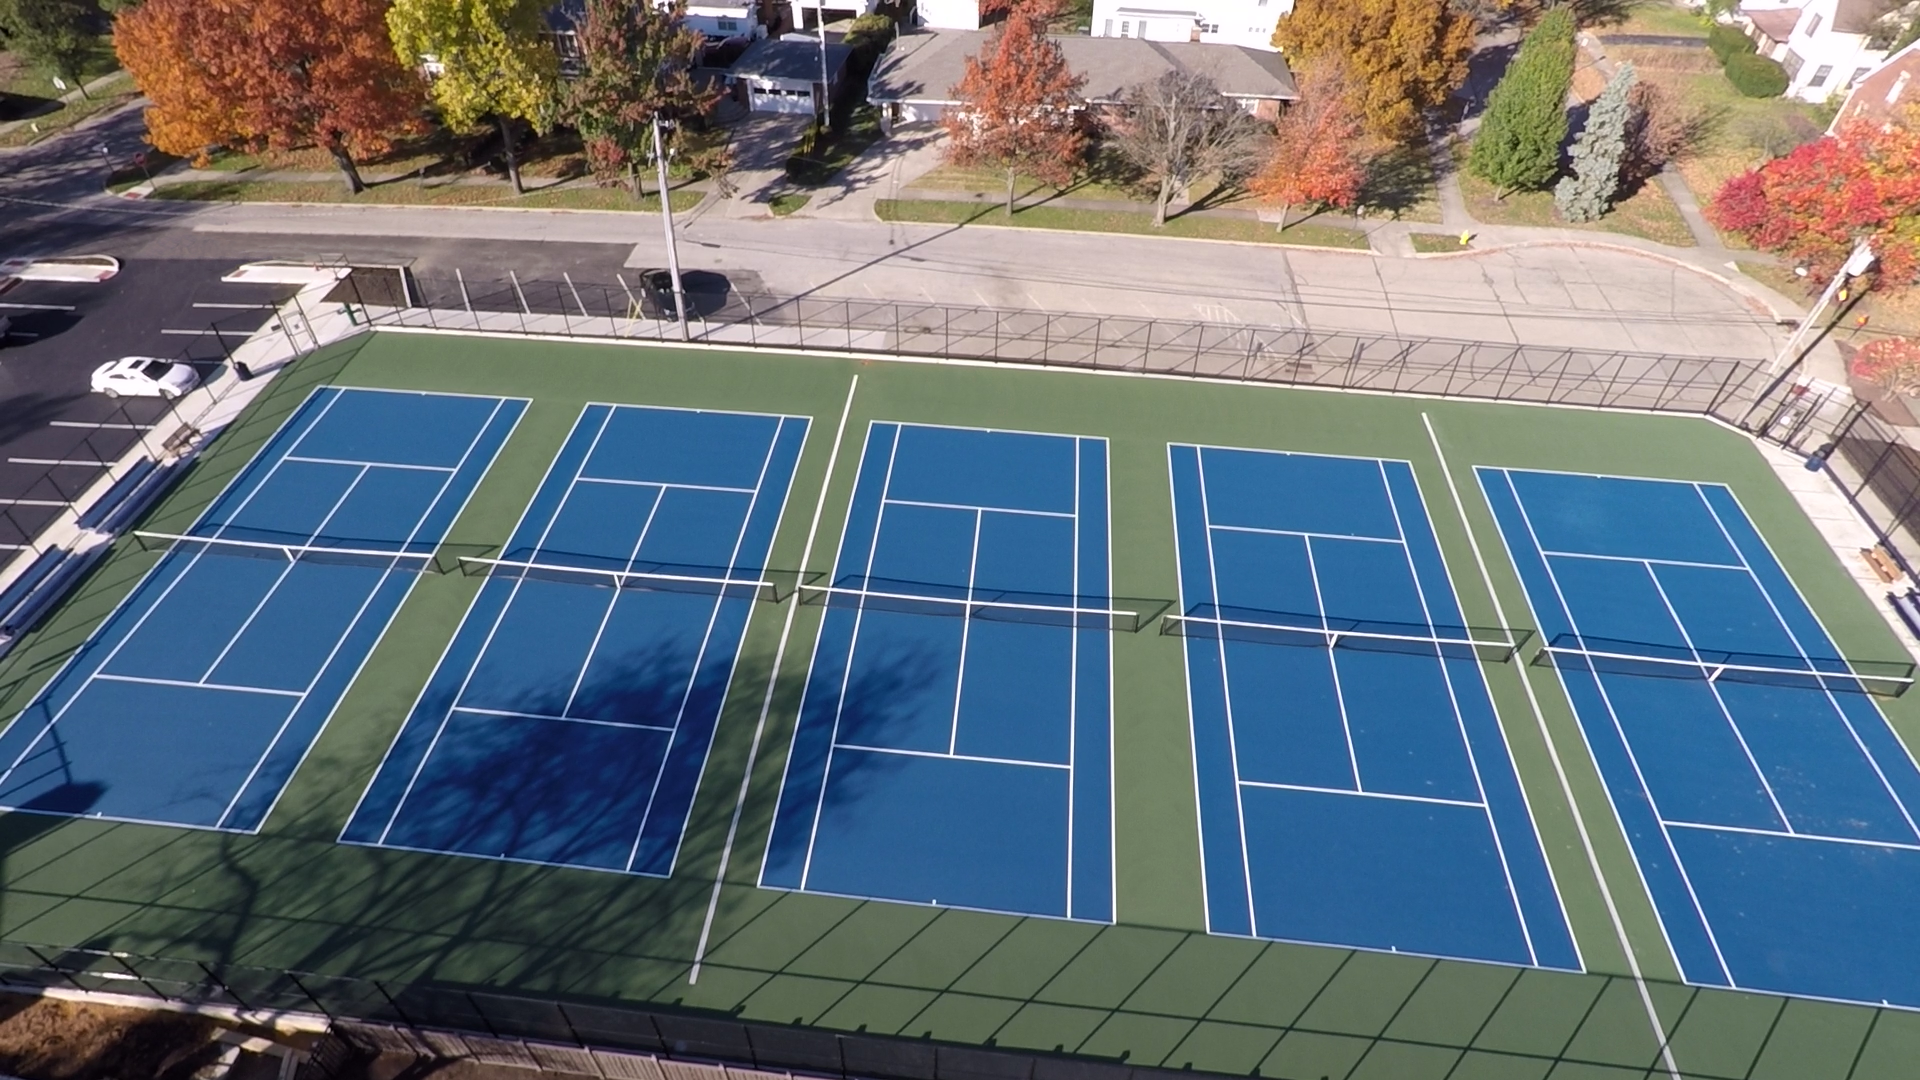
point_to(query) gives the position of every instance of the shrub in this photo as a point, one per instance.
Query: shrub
(1893, 363)
(1726, 42)
(1756, 76)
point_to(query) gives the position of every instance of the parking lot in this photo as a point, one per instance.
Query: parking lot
(56, 434)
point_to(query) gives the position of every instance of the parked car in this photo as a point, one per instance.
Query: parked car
(144, 376)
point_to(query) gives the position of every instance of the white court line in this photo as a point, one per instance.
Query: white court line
(1459, 718)
(1309, 535)
(359, 613)
(509, 714)
(1780, 618)
(700, 659)
(1388, 795)
(500, 617)
(853, 640)
(966, 628)
(1814, 837)
(1226, 689)
(77, 655)
(1626, 744)
(1713, 687)
(950, 756)
(613, 599)
(191, 685)
(766, 700)
(1634, 559)
(1559, 767)
(994, 509)
(662, 483)
(1333, 665)
(371, 464)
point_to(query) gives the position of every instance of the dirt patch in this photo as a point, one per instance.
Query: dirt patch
(53, 1039)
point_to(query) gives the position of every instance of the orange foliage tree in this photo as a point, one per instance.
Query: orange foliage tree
(1019, 105)
(1320, 146)
(269, 75)
(1890, 362)
(1406, 56)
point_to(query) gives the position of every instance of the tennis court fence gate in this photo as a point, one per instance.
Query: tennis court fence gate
(1877, 468)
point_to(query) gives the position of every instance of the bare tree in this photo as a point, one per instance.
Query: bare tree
(1180, 127)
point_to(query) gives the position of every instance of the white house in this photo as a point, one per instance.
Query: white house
(914, 80)
(1886, 94)
(1825, 45)
(948, 14)
(719, 22)
(1248, 23)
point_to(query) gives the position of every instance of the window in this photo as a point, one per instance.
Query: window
(726, 25)
(1858, 74)
(1126, 28)
(1899, 87)
(1813, 24)
(1820, 75)
(1793, 62)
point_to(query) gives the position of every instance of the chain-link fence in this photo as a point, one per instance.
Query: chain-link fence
(643, 1041)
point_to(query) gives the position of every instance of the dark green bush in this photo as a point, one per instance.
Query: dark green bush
(1756, 76)
(1726, 41)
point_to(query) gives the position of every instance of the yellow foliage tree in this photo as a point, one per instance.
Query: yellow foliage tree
(1405, 56)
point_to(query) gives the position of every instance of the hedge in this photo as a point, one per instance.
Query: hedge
(1756, 76)
(1728, 41)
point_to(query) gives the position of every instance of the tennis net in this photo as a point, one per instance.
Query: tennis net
(708, 581)
(1881, 678)
(1037, 609)
(307, 552)
(1313, 631)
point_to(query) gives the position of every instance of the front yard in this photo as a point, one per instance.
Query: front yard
(1192, 227)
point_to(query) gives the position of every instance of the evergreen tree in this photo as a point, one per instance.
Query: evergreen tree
(1598, 153)
(1518, 144)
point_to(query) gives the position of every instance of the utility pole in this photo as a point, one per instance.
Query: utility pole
(666, 222)
(1857, 263)
(820, 28)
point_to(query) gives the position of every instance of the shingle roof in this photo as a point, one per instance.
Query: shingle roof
(773, 58)
(925, 66)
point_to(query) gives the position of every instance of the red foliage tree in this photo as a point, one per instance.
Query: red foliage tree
(1320, 146)
(1812, 204)
(1019, 105)
(1890, 362)
(271, 75)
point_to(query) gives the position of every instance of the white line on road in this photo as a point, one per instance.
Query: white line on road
(97, 424)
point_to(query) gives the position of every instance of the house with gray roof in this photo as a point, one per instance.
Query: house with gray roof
(914, 80)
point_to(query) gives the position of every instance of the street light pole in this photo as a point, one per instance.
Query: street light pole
(1857, 263)
(666, 223)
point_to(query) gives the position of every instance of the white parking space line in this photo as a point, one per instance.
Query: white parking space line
(32, 502)
(188, 333)
(39, 307)
(237, 307)
(59, 461)
(96, 424)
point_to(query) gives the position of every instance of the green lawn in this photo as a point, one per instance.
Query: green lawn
(1400, 185)
(449, 935)
(818, 160)
(1653, 17)
(1647, 214)
(17, 76)
(787, 202)
(1435, 243)
(411, 193)
(115, 93)
(1193, 227)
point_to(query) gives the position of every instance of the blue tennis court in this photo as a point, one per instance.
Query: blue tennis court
(198, 697)
(1769, 805)
(569, 720)
(954, 741)
(1355, 787)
